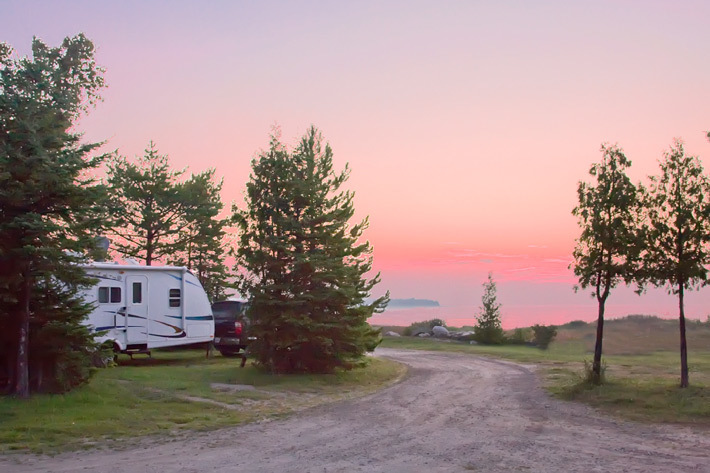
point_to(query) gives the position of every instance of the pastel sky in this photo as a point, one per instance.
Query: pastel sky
(467, 125)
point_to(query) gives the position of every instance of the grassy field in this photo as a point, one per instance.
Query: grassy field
(642, 367)
(170, 394)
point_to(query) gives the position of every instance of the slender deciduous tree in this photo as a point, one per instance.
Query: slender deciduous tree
(488, 324)
(50, 212)
(608, 249)
(302, 263)
(678, 232)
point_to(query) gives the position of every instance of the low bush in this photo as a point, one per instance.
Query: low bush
(425, 326)
(519, 337)
(588, 378)
(543, 335)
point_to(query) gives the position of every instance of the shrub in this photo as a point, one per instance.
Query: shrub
(519, 337)
(543, 335)
(588, 377)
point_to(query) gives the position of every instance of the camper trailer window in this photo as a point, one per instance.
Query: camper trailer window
(174, 298)
(115, 294)
(103, 295)
(137, 293)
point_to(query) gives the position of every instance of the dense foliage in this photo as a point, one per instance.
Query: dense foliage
(204, 243)
(50, 213)
(302, 263)
(543, 335)
(158, 216)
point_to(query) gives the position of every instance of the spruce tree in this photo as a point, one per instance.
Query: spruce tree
(203, 238)
(488, 328)
(50, 213)
(302, 264)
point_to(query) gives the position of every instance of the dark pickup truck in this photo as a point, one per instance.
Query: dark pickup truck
(230, 327)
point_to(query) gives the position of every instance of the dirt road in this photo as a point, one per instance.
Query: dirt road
(452, 413)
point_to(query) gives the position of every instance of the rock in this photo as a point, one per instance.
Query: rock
(392, 334)
(473, 342)
(424, 334)
(461, 336)
(440, 332)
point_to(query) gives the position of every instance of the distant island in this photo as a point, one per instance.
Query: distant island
(403, 303)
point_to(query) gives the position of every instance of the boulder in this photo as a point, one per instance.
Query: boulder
(462, 336)
(418, 331)
(392, 334)
(440, 332)
(424, 334)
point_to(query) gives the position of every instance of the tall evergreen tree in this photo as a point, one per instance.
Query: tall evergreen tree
(488, 324)
(50, 212)
(148, 205)
(678, 232)
(203, 238)
(608, 249)
(302, 264)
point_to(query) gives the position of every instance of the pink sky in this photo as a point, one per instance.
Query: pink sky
(467, 125)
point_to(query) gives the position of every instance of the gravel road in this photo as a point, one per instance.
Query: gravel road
(451, 413)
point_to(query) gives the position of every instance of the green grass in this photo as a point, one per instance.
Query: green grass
(643, 367)
(148, 397)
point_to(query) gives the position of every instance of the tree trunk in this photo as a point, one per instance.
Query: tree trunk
(149, 250)
(597, 364)
(22, 370)
(683, 343)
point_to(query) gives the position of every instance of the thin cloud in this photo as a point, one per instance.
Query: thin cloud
(518, 270)
(478, 254)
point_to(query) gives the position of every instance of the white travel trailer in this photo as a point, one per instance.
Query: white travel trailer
(144, 307)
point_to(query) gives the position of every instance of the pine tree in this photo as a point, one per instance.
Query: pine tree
(608, 249)
(148, 205)
(488, 327)
(203, 238)
(50, 212)
(678, 232)
(302, 264)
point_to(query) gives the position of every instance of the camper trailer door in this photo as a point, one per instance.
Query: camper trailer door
(137, 309)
